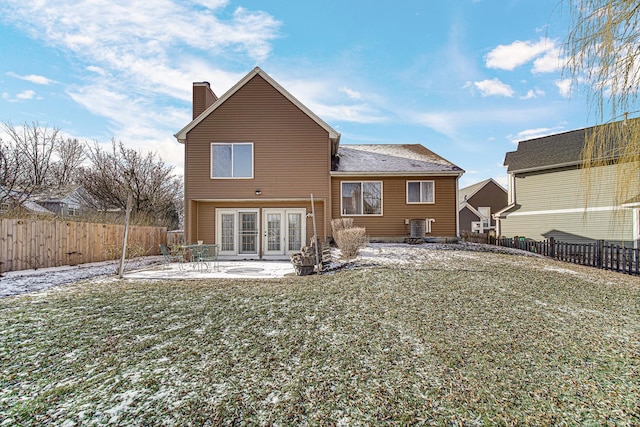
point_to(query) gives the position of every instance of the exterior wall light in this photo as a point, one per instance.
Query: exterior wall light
(258, 192)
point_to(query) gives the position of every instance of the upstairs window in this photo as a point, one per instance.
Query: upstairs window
(421, 192)
(232, 160)
(361, 198)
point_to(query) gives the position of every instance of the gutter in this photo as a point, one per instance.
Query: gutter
(547, 167)
(393, 174)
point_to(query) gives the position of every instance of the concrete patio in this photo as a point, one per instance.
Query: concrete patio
(226, 270)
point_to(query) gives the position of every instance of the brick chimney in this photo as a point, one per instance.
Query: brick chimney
(203, 97)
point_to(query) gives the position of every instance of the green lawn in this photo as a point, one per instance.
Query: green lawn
(453, 338)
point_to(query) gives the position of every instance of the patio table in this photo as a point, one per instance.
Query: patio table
(198, 255)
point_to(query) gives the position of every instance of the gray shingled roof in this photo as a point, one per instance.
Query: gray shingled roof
(547, 151)
(562, 149)
(391, 158)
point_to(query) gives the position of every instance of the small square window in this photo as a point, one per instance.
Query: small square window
(421, 192)
(232, 160)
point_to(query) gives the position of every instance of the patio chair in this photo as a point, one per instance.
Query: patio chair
(170, 257)
(209, 254)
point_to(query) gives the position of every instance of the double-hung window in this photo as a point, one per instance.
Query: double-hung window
(421, 192)
(361, 198)
(232, 160)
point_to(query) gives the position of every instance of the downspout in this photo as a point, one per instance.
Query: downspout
(636, 228)
(457, 208)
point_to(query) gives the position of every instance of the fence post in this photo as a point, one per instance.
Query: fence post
(552, 247)
(599, 253)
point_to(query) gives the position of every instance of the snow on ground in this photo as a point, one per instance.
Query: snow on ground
(24, 281)
(20, 282)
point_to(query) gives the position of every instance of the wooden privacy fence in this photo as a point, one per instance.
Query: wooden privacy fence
(26, 244)
(600, 254)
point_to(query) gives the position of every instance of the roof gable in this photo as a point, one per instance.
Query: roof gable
(334, 136)
(391, 159)
(467, 193)
(471, 209)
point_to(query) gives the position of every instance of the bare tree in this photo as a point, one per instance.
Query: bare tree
(603, 51)
(70, 154)
(157, 193)
(35, 146)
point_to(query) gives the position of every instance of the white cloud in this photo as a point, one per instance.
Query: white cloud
(26, 94)
(534, 133)
(508, 57)
(533, 93)
(318, 96)
(444, 123)
(358, 113)
(148, 120)
(353, 94)
(142, 56)
(564, 87)
(550, 62)
(502, 179)
(22, 96)
(451, 123)
(33, 78)
(125, 41)
(493, 87)
(97, 70)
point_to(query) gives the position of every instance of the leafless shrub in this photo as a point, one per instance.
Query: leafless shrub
(347, 237)
(340, 224)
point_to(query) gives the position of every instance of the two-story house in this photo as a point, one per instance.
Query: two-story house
(549, 195)
(255, 157)
(478, 203)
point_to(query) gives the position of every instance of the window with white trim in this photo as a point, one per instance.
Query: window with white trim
(361, 197)
(421, 192)
(232, 160)
(73, 210)
(485, 211)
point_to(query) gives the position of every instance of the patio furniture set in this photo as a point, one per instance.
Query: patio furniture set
(200, 256)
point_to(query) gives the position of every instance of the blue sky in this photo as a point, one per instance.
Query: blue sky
(465, 78)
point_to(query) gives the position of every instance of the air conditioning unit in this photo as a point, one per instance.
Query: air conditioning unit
(418, 228)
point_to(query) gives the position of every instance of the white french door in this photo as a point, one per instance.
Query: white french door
(237, 231)
(284, 231)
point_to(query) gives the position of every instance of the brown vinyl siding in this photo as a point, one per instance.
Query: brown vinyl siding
(466, 218)
(395, 208)
(203, 97)
(291, 151)
(488, 196)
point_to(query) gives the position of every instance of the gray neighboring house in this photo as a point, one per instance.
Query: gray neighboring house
(67, 201)
(548, 196)
(478, 202)
(11, 199)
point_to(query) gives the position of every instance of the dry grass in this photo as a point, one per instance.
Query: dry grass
(480, 339)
